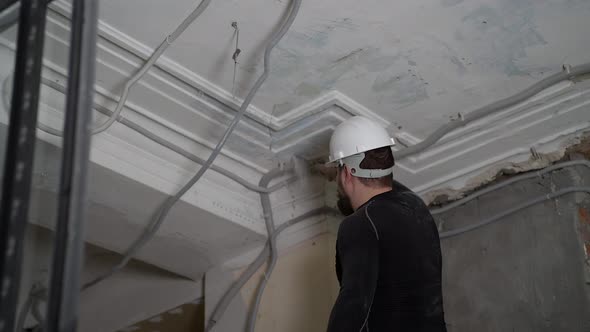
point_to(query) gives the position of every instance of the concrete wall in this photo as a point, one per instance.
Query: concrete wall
(302, 290)
(526, 272)
(298, 296)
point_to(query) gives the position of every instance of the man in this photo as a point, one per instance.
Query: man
(388, 258)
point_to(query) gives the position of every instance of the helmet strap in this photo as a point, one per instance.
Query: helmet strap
(353, 162)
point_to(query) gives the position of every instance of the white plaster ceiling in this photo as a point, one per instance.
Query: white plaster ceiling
(412, 65)
(412, 62)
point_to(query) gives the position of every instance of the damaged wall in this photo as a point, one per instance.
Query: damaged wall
(526, 272)
(576, 145)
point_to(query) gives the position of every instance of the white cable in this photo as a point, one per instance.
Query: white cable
(150, 63)
(522, 206)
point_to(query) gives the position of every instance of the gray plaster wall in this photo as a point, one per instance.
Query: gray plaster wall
(524, 273)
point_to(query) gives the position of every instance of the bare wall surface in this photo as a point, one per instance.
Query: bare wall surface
(301, 291)
(526, 272)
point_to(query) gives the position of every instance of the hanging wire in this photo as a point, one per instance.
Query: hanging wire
(235, 56)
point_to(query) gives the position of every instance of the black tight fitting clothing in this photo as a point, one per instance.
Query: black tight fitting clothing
(388, 263)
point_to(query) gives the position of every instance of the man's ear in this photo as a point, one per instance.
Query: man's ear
(346, 173)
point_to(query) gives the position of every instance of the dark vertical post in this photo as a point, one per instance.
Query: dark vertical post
(64, 291)
(20, 148)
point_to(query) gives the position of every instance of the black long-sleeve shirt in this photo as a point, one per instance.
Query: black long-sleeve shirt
(388, 263)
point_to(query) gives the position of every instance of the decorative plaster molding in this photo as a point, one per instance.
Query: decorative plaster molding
(174, 86)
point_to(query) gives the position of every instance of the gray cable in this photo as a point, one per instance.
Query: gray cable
(499, 216)
(150, 63)
(508, 182)
(37, 293)
(494, 107)
(272, 241)
(22, 316)
(169, 203)
(293, 11)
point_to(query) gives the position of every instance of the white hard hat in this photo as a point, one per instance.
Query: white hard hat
(352, 138)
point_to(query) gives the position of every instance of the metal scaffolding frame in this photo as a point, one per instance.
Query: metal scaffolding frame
(20, 148)
(62, 314)
(64, 291)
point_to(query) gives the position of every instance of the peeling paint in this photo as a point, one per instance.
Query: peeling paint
(578, 145)
(492, 174)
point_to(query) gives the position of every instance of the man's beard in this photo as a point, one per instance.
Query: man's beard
(343, 203)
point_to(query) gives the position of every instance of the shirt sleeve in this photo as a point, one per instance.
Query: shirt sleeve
(358, 255)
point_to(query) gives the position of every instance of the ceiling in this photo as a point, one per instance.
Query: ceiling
(411, 65)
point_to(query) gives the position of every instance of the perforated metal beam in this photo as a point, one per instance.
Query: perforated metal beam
(16, 185)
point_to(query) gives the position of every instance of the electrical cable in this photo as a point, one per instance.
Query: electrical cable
(272, 241)
(37, 293)
(499, 216)
(235, 57)
(226, 298)
(22, 316)
(545, 83)
(169, 203)
(150, 63)
(514, 179)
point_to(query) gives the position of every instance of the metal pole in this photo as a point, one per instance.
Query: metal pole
(9, 15)
(62, 314)
(18, 162)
